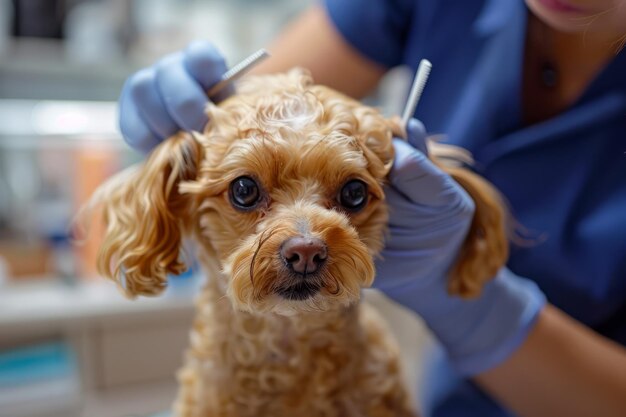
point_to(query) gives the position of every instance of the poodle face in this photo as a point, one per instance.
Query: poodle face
(290, 198)
(283, 189)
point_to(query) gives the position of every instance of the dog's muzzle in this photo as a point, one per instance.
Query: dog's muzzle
(304, 257)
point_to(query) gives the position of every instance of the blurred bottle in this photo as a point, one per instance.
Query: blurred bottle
(64, 264)
(93, 165)
(95, 31)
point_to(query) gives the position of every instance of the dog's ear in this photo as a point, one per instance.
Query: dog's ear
(145, 217)
(486, 246)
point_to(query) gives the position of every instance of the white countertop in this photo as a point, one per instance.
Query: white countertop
(52, 302)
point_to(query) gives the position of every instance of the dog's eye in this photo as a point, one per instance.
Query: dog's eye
(353, 195)
(244, 193)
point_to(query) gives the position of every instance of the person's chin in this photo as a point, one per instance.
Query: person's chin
(561, 15)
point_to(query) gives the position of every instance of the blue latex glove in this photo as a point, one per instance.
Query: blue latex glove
(160, 100)
(430, 215)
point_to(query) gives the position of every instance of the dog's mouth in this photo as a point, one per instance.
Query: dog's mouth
(299, 291)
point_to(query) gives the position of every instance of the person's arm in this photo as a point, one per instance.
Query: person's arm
(312, 42)
(562, 369)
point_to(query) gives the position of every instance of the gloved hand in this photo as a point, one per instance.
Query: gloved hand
(430, 215)
(160, 100)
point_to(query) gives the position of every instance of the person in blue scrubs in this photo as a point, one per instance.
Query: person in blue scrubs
(536, 90)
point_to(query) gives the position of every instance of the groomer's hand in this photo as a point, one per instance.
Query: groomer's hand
(169, 96)
(430, 215)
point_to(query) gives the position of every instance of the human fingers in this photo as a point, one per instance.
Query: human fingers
(206, 65)
(423, 183)
(184, 99)
(133, 127)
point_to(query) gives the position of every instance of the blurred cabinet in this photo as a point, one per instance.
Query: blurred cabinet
(148, 350)
(127, 352)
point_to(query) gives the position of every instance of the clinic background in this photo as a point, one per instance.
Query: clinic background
(70, 344)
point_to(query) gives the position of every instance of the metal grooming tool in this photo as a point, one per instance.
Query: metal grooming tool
(423, 71)
(238, 71)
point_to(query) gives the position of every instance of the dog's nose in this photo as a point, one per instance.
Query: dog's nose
(304, 254)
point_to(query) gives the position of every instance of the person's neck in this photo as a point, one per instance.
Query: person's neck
(584, 54)
(576, 58)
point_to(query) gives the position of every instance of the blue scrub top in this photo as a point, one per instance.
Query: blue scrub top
(565, 178)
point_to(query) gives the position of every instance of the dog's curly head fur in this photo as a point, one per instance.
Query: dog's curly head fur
(282, 159)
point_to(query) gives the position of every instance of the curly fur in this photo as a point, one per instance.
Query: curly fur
(253, 352)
